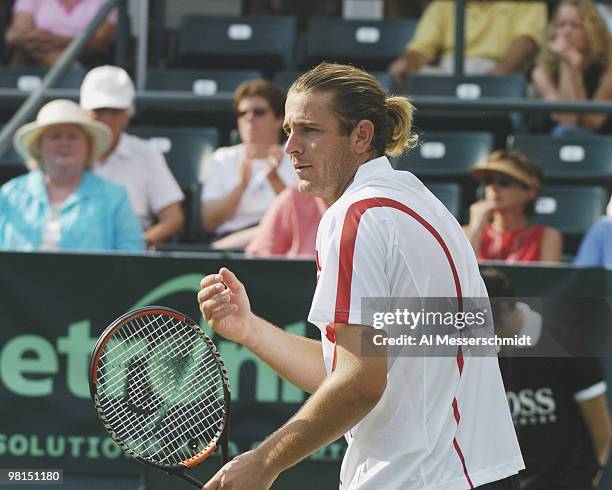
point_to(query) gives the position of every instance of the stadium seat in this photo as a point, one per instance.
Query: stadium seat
(446, 155)
(467, 87)
(28, 79)
(501, 124)
(368, 44)
(193, 231)
(199, 82)
(579, 160)
(204, 83)
(185, 148)
(259, 42)
(11, 165)
(285, 78)
(571, 210)
(450, 195)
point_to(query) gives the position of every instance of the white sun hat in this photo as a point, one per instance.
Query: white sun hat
(61, 112)
(107, 87)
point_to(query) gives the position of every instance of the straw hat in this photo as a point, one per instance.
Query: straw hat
(513, 164)
(61, 112)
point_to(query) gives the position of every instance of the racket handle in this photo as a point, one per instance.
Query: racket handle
(188, 478)
(224, 446)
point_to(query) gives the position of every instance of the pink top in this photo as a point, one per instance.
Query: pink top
(57, 18)
(289, 227)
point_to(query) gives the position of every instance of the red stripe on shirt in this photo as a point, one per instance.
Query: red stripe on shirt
(345, 275)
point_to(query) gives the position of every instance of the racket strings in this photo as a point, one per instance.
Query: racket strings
(160, 389)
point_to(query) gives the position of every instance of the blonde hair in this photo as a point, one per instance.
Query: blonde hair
(598, 37)
(357, 95)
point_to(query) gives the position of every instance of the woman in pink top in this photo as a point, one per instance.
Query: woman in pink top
(41, 29)
(499, 227)
(289, 227)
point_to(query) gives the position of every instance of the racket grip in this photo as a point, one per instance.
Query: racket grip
(189, 479)
(225, 446)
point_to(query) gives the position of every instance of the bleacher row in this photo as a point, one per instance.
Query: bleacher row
(578, 174)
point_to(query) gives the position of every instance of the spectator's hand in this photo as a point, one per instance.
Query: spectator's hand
(567, 52)
(399, 71)
(37, 41)
(246, 169)
(225, 306)
(480, 212)
(275, 157)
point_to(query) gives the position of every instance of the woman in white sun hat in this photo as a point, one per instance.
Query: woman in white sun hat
(60, 204)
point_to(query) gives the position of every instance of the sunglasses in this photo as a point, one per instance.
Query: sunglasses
(257, 112)
(502, 181)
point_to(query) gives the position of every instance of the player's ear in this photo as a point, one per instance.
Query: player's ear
(362, 136)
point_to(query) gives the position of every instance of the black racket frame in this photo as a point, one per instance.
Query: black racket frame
(179, 469)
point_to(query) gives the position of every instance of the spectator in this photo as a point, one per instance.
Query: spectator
(289, 227)
(558, 404)
(41, 29)
(500, 38)
(243, 180)
(61, 204)
(575, 65)
(107, 94)
(596, 247)
(498, 227)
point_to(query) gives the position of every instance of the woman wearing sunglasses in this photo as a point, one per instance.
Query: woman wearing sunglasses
(243, 180)
(499, 227)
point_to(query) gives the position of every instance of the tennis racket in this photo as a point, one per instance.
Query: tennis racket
(161, 390)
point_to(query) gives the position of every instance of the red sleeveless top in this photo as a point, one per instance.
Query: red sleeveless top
(513, 246)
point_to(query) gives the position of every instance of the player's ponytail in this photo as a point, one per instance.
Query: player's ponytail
(399, 111)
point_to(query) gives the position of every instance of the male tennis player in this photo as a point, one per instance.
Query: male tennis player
(415, 423)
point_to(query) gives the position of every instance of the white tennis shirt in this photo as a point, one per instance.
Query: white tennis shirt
(442, 423)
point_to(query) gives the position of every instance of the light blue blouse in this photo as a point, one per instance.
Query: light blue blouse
(96, 216)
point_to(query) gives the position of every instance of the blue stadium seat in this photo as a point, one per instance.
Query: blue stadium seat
(467, 87)
(450, 195)
(11, 165)
(185, 148)
(29, 79)
(199, 82)
(569, 160)
(370, 44)
(259, 42)
(501, 124)
(446, 155)
(204, 83)
(571, 210)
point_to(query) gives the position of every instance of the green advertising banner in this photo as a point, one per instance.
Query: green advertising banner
(52, 309)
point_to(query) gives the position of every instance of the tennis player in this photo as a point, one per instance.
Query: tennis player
(415, 423)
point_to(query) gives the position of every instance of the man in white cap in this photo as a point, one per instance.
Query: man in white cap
(107, 94)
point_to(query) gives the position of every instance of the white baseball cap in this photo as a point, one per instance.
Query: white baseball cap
(107, 87)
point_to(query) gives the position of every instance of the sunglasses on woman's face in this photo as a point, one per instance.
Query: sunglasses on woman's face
(501, 181)
(257, 112)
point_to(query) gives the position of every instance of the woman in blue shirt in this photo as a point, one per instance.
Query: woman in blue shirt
(61, 204)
